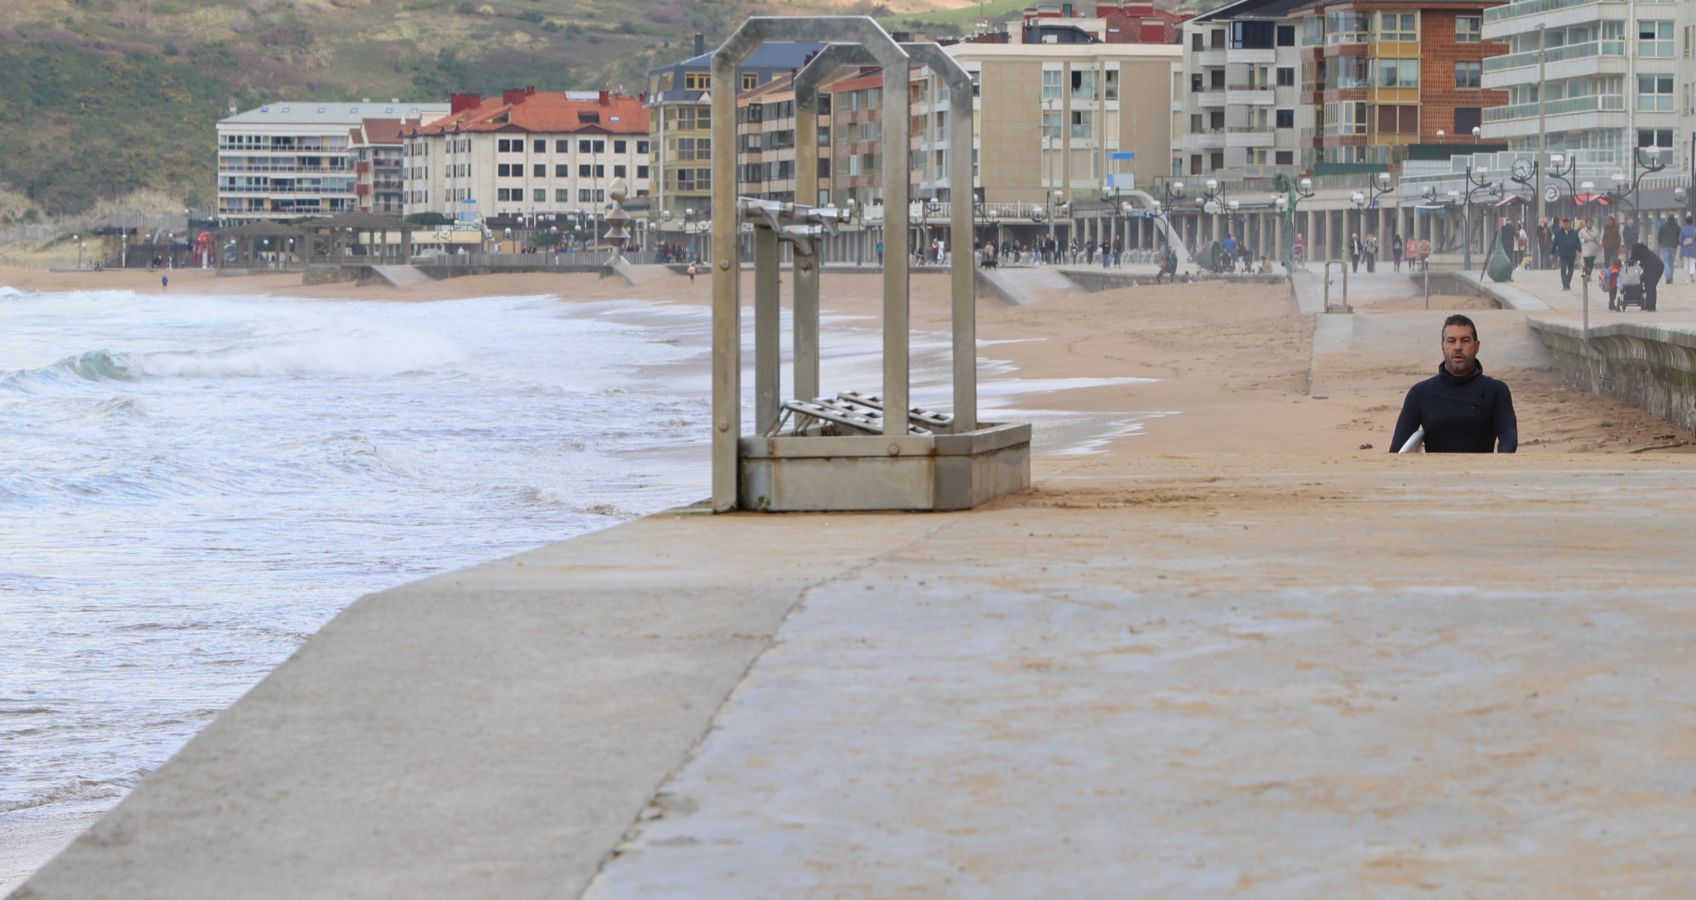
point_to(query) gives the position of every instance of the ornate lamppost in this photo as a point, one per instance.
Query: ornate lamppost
(1291, 193)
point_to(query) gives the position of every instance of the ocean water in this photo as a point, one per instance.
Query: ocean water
(191, 486)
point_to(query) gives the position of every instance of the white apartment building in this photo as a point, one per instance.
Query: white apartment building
(1237, 102)
(528, 155)
(297, 158)
(1611, 75)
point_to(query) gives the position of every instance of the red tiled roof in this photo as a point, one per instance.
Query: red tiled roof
(383, 131)
(858, 84)
(544, 112)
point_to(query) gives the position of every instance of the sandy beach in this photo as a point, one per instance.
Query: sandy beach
(1235, 362)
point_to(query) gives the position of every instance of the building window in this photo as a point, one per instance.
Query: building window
(1196, 41)
(750, 81)
(1469, 29)
(1083, 124)
(619, 146)
(641, 172)
(1286, 118)
(1051, 126)
(1051, 84)
(1398, 120)
(1468, 74)
(583, 195)
(1398, 73)
(583, 146)
(1284, 157)
(583, 170)
(1654, 93)
(1398, 27)
(1467, 118)
(600, 146)
(1654, 38)
(562, 146)
(1659, 144)
(539, 171)
(618, 171)
(641, 146)
(539, 195)
(561, 170)
(697, 81)
(539, 145)
(1286, 35)
(1286, 76)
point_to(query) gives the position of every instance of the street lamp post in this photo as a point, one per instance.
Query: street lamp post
(1171, 190)
(1291, 193)
(1476, 180)
(1639, 171)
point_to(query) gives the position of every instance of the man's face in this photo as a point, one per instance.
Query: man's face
(1460, 350)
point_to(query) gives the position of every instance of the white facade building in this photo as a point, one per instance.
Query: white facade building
(1238, 100)
(297, 158)
(1594, 80)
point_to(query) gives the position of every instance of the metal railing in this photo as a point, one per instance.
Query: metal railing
(1531, 8)
(1592, 103)
(1555, 54)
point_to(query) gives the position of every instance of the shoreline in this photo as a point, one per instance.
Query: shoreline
(1234, 362)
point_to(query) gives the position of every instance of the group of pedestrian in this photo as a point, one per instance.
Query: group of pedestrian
(1363, 250)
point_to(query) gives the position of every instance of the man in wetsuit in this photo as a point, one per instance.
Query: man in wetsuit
(1462, 410)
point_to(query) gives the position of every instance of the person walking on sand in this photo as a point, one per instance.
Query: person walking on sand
(1354, 252)
(1396, 249)
(1666, 243)
(164, 282)
(691, 273)
(1461, 409)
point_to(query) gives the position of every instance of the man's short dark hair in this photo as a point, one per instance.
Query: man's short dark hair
(1458, 319)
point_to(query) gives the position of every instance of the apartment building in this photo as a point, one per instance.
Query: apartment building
(1238, 101)
(1113, 22)
(679, 101)
(1383, 75)
(527, 154)
(856, 133)
(379, 165)
(1051, 123)
(292, 159)
(1593, 79)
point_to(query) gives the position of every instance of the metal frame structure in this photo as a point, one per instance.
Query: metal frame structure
(820, 468)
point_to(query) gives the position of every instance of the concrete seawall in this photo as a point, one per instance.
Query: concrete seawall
(1649, 365)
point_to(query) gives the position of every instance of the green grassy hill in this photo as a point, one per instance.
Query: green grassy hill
(100, 99)
(105, 97)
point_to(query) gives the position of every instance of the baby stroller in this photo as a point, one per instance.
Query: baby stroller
(1631, 287)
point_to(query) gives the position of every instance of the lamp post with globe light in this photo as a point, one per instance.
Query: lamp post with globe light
(1293, 191)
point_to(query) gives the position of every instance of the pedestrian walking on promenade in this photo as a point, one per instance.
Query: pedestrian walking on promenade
(1566, 246)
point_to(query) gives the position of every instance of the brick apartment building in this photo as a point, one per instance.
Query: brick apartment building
(1383, 74)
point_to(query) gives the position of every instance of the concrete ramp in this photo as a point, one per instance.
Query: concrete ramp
(1349, 348)
(635, 275)
(1025, 285)
(401, 276)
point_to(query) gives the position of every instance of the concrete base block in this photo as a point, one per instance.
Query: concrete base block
(873, 472)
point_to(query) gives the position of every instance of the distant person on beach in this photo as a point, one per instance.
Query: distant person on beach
(164, 281)
(691, 273)
(1461, 409)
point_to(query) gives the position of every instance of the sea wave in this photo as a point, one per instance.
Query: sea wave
(345, 354)
(69, 791)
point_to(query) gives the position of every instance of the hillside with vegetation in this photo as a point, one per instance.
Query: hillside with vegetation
(107, 98)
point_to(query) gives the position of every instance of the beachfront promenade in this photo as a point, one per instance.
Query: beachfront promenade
(1258, 674)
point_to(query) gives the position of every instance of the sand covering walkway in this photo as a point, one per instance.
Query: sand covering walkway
(1235, 654)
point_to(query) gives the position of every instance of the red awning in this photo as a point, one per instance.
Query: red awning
(1511, 198)
(1591, 198)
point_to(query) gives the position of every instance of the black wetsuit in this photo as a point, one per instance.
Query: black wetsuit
(1472, 414)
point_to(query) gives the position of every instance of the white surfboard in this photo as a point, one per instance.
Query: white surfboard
(1415, 442)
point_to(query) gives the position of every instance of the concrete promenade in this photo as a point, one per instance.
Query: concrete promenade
(1267, 674)
(1155, 677)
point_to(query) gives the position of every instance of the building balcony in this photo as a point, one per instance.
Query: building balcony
(1571, 61)
(1255, 56)
(1210, 98)
(1249, 96)
(1210, 57)
(1571, 114)
(1524, 16)
(1205, 140)
(1250, 136)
